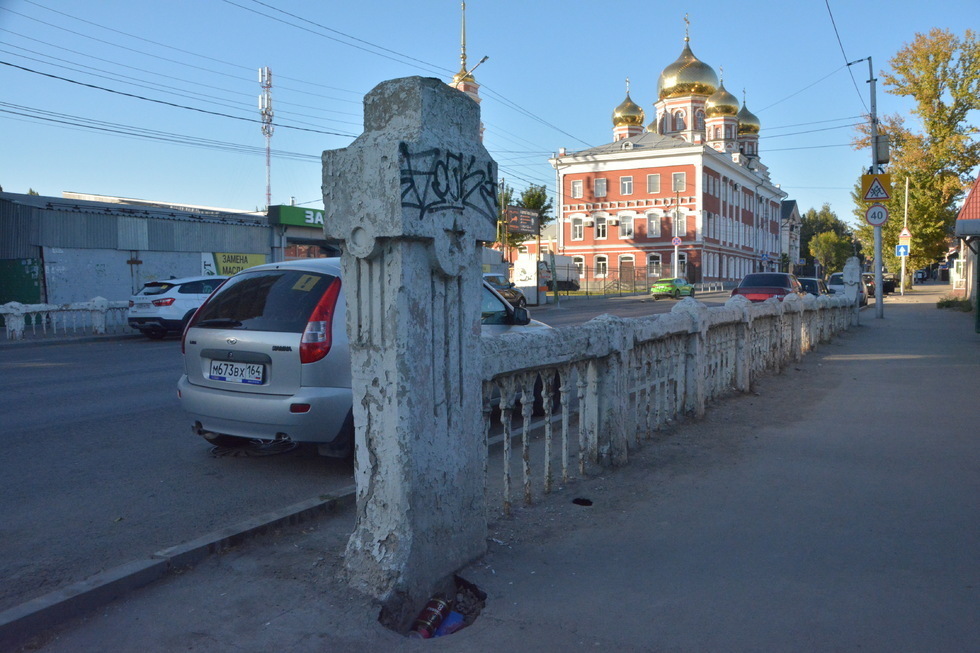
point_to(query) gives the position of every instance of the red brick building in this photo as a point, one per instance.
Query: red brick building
(687, 195)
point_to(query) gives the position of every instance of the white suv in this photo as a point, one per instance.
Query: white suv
(267, 356)
(165, 306)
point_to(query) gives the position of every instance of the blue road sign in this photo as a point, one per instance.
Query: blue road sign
(901, 250)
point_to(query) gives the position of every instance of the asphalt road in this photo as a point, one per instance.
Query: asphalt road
(100, 466)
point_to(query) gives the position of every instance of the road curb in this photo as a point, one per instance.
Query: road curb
(33, 617)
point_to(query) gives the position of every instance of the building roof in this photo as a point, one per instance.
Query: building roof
(786, 209)
(646, 141)
(968, 220)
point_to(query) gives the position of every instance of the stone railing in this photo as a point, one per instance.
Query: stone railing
(605, 386)
(98, 316)
(710, 286)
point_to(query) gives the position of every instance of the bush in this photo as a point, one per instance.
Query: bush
(955, 303)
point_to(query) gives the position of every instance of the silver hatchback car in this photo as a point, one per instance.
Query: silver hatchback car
(267, 357)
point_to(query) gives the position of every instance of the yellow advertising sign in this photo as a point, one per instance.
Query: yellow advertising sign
(228, 263)
(876, 188)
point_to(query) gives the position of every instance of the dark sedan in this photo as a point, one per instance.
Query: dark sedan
(814, 286)
(760, 286)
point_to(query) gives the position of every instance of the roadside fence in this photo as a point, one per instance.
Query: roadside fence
(98, 316)
(607, 385)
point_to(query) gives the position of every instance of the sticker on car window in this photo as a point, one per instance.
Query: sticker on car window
(306, 282)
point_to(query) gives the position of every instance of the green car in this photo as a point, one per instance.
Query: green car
(672, 288)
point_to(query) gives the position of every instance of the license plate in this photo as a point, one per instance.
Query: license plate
(251, 373)
(143, 305)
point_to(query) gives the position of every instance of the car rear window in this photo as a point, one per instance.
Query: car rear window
(768, 280)
(156, 288)
(268, 300)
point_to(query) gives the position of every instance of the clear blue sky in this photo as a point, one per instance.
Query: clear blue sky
(555, 72)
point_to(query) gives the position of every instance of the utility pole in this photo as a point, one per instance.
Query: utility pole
(875, 169)
(265, 110)
(905, 226)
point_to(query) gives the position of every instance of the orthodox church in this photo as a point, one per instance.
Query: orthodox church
(685, 195)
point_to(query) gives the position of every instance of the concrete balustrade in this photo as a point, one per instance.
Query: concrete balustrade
(97, 316)
(621, 380)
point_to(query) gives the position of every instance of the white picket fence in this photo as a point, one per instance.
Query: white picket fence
(613, 382)
(97, 317)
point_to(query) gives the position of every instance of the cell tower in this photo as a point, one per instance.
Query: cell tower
(265, 109)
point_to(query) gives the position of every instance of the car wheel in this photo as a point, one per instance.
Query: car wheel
(154, 334)
(677, 293)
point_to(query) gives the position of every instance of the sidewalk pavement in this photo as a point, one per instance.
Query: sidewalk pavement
(833, 508)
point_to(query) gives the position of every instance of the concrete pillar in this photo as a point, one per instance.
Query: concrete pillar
(852, 277)
(694, 392)
(411, 199)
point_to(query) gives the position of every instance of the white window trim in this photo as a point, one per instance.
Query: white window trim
(600, 181)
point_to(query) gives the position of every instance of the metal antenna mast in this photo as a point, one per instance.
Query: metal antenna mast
(265, 109)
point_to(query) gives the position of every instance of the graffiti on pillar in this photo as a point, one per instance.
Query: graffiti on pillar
(438, 180)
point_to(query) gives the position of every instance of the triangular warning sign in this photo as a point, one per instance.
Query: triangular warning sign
(876, 192)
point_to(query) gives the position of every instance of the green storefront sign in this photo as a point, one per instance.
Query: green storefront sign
(296, 216)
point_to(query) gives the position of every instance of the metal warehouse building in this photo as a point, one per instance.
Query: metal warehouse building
(58, 250)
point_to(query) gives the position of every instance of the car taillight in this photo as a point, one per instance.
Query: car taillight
(163, 302)
(317, 337)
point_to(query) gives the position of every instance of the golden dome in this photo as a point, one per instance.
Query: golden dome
(687, 76)
(628, 113)
(748, 123)
(463, 76)
(721, 103)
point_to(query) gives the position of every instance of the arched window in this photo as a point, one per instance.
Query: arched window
(653, 225)
(600, 227)
(626, 226)
(601, 267)
(679, 122)
(699, 119)
(654, 268)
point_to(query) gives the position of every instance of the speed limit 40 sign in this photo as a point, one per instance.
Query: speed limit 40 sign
(876, 215)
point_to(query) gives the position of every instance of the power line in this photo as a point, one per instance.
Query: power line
(175, 49)
(844, 54)
(89, 124)
(170, 104)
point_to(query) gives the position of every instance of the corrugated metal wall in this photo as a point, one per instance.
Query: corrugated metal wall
(92, 252)
(19, 230)
(23, 229)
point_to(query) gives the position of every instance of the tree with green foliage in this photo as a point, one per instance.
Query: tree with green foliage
(817, 222)
(941, 74)
(831, 249)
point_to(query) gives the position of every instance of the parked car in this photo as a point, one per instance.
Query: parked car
(760, 286)
(814, 286)
(161, 307)
(869, 281)
(267, 356)
(889, 282)
(672, 288)
(506, 289)
(836, 286)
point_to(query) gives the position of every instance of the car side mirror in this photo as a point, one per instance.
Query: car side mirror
(521, 316)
